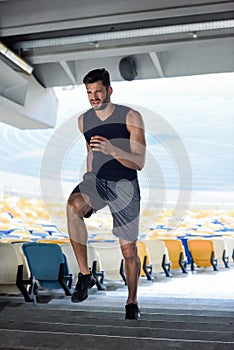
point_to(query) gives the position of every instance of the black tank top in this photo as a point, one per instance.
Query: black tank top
(114, 128)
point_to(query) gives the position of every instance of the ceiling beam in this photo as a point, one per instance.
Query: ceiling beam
(68, 71)
(157, 64)
(136, 48)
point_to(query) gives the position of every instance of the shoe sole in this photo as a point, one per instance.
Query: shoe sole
(133, 318)
(132, 313)
(93, 282)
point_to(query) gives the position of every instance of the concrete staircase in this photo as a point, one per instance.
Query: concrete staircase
(165, 324)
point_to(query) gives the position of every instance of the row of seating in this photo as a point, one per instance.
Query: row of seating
(29, 216)
(30, 266)
(203, 252)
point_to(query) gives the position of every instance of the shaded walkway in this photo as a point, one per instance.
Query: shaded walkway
(194, 311)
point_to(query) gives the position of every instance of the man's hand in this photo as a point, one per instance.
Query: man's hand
(101, 144)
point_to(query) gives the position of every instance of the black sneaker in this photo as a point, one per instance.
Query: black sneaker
(132, 312)
(84, 283)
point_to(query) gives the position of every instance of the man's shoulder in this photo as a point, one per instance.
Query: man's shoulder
(82, 118)
(120, 106)
(88, 112)
(122, 109)
(128, 109)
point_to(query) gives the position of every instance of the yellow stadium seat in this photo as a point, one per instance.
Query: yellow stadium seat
(14, 240)
(202, 253)
(176, 254)
(54, 241)
(144, 255)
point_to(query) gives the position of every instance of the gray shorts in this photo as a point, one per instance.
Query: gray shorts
(123, 199)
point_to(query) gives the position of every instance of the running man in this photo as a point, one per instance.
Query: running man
(116, 146)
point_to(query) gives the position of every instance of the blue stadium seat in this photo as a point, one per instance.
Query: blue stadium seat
(48, 265)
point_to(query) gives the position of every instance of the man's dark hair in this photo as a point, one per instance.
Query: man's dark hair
(98, 74)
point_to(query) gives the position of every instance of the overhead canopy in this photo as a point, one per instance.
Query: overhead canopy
(62, 40)
(24, 103)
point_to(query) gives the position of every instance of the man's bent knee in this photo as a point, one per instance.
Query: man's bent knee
(78, 204)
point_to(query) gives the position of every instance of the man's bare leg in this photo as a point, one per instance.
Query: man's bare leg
(132, 268)
(77, 207)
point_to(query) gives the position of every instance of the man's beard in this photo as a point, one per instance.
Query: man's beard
(102, 107)
(104, 104)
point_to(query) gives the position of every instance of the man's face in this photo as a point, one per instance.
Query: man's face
(98, 94)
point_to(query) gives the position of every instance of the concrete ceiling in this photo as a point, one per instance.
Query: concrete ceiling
(62, 40)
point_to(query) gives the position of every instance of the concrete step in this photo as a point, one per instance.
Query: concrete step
(117, 313)
(48, 327)
(130, 329)
(19, 340)
(219, 324)
(29, 340)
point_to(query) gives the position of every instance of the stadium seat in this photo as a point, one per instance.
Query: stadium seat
(176, 254)
(13, 272)
(159, 256)
(111, 260)
(94, 263)
(144, 255)
(48, 265)
(229, 241)
(54, 241)
(221, 251)
(14, 240)
(202, 253)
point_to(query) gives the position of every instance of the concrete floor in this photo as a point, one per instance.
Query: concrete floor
(204, 286)
(194, 310)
